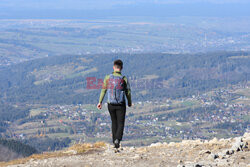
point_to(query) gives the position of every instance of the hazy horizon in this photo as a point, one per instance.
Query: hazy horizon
(65, 9)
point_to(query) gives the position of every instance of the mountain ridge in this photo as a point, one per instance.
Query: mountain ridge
(223, 152)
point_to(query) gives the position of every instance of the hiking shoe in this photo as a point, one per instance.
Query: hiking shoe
(117, 143)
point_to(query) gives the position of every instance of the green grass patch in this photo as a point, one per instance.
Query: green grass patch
(34, 112)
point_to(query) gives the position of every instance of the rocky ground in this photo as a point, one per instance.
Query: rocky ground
(223, 152)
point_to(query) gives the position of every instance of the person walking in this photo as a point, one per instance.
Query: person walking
(117, 87)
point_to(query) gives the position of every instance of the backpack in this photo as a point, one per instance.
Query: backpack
(116, 90)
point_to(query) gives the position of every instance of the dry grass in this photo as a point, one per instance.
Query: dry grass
(73, 150)
(99, 144)
(82, 148)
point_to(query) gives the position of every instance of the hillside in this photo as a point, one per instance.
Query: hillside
(63, 79)
(7, 154)
(11, 149)
(223, 152)
(45, 103)
(22, 40)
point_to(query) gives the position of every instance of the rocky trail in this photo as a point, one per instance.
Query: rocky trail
(188, 153)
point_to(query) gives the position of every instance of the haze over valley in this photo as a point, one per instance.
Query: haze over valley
(188, 64)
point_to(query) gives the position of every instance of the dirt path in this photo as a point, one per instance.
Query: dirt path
(224, 152)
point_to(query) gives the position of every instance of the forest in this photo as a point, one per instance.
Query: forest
(62, 80)
(180, 75)
(18, 147)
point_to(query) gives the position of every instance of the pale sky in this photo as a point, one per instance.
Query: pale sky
(76, 8)
(102, 4)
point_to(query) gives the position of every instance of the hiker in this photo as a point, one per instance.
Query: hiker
(117, 86)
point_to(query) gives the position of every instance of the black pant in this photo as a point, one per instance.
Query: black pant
(117, 114)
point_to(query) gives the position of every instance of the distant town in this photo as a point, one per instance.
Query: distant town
(218, 113)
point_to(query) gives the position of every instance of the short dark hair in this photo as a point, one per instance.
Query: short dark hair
(118, 63)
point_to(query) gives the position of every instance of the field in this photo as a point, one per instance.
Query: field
(22, 40)
(146, 122)
(176, 95)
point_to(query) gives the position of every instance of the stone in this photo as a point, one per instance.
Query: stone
(132, 148)
(204, 152)
(198, 165)
(230, 152)
(213, 141)
(238, 144)
(245, 145)
(155, 144)
(213, 156)
(171, 144)
(246, 136)
(180, 165)
(70, 152)
(222, 162)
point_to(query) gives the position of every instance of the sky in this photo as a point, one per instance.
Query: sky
(106, 8)
(102, 4)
